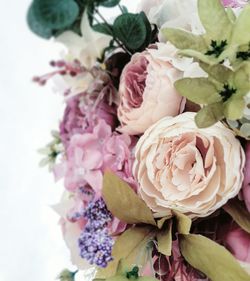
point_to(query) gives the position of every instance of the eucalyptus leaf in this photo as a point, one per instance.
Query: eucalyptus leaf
(183, 222)
(103, 28)
(164, 239)
(209, 115)
(109, 3)
(131, 30)
(212, 259)
(184, 40)
(214, 19)
(241, 34)
(237, 210)
(129, 247)
(35, 26)
(123, 202)
(198, 90)
(55, 14)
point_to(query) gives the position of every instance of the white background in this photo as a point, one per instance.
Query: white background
(31, 244)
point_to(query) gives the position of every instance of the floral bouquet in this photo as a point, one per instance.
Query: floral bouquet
(154, 143)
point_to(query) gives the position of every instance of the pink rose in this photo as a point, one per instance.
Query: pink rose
(238, 242)
(246, 184)
(181, 167)
(146, 91)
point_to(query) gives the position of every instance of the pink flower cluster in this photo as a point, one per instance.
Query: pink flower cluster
(89, 155)
(234, 3)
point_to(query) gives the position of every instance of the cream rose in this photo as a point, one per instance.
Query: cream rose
(147, 91)
(194, 171)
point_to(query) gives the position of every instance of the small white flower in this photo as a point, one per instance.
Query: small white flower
(86, 48)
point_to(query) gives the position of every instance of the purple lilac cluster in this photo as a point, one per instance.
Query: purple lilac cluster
(95, 243)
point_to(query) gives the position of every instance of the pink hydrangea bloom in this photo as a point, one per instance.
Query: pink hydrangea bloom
(246, 184)
(89, 155)
(81, 116)
(234, 3)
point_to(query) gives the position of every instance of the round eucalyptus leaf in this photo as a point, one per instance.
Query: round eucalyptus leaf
(131, 30)
(109, 3)
(37, 27)
(55, 14)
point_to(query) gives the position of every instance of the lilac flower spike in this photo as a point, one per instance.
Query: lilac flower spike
(95, 243)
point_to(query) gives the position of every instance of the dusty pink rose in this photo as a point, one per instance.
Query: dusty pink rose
(246, 184)
(147, 93)
(194, 171)
(238, 242)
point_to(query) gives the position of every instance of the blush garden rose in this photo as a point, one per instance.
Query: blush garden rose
(194, 171)
(147, 91)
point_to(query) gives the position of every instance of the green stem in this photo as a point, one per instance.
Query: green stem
(110, 29)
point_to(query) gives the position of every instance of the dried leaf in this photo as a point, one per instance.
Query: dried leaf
(211, 259)
(183, 222)
(130, 248)
(164, 239)
(237, 210)
(123, 202)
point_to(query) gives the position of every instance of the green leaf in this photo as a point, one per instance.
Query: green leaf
(199, 56)
(131, 30)
(37, 27)
(237, 210)
(109, 3)
(164, 238)
(123, 202)
(198, 90)
(148, 28)
(147, 278)
(241, 78)
(55, 14)
(123, 9)
(209, 115)
(231, 15)
(103, 28)
(117, 278)
(161, 222)
(183, 222)
(211, 259)
(241, 34)
(131, 248)
(233, 108)
(215, 19)
(184, 40)
(219, 72)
